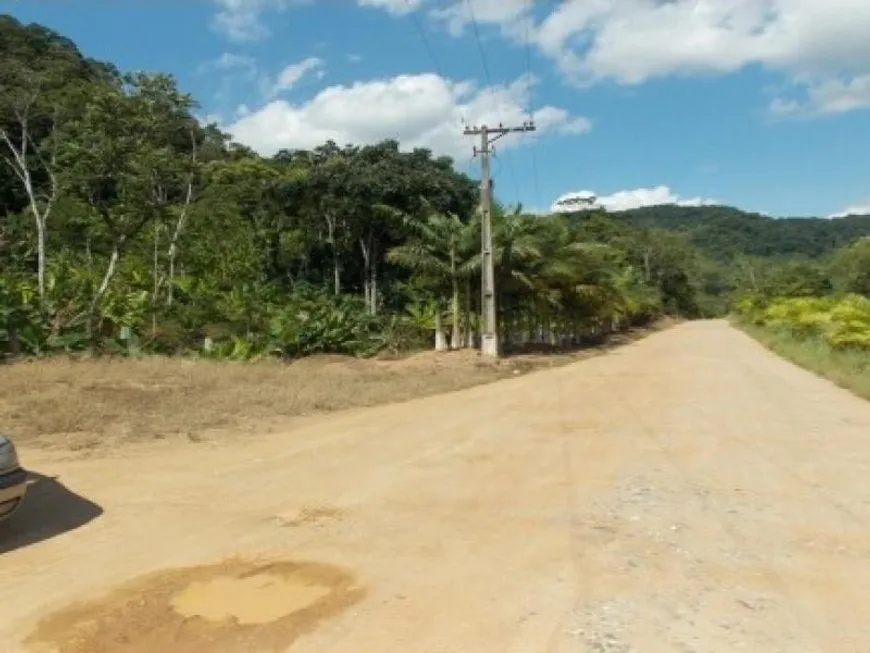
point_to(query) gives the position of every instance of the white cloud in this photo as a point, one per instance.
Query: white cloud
(241, 20)
(228, 61)
(857, 209)
(291, 74)
(820, 45)
(236, 68)
(576, 126)
(830, 96)
(392, 6)
(625, 200)
(418, 110)
(458, 15)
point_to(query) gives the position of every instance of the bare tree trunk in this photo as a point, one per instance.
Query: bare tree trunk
(40, 252)
(336, 270)
(369, 248)
(21, 167)
(107, 277)
(173, 244)
(119, 241)
(179, 224)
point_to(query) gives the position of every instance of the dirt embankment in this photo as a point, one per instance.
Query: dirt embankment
(87, 404)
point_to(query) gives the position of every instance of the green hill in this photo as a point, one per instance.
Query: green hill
(724, 232)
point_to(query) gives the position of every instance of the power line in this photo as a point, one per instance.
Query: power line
(421, 31)
(426, 43)
(528, 12)
(529, 17)
(479, 44)
(485, 64)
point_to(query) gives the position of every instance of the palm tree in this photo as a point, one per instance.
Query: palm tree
(440, 250)
(517, 241)
(569, 285)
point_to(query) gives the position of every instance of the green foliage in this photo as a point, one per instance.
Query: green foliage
(20, 323)
(159, 235)
(839, 322)
(725, 233)
(850, 324)
(318, 323)
(850, 267)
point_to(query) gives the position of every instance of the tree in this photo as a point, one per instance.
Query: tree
(330, 176)
(40, 82)
(851, 267)
(516, 240)
(155, 229)
(670, 263)
(32, 161)
(206, 145)
(440, 250)
(122, 158)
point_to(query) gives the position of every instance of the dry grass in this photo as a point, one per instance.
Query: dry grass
(87, 403)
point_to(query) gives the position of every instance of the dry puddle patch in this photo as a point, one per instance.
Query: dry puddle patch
(231, 607)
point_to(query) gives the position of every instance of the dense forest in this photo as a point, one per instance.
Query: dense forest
(128, 226)
(725, 233)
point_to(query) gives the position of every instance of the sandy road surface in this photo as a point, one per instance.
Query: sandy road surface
(690, 492)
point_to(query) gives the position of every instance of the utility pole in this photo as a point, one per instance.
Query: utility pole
(489, 345)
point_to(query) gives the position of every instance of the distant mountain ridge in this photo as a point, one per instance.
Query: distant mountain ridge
(724, 232)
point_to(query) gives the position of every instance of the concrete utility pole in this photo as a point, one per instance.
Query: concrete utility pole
(489, 345)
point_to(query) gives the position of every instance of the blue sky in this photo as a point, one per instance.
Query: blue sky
(762, 104)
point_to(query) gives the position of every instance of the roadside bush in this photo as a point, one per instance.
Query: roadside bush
(840, 322)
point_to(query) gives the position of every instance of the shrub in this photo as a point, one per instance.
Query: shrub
(840, 322)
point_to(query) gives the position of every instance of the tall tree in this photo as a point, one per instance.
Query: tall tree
(440, 250)
(123, 158)
(27, 109)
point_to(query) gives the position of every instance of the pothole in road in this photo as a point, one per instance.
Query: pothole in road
(230, 607)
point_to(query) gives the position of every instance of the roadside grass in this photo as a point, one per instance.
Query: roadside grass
(849, 369)
(88, 403)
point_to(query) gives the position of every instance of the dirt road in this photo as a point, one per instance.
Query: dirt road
(689, 492)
